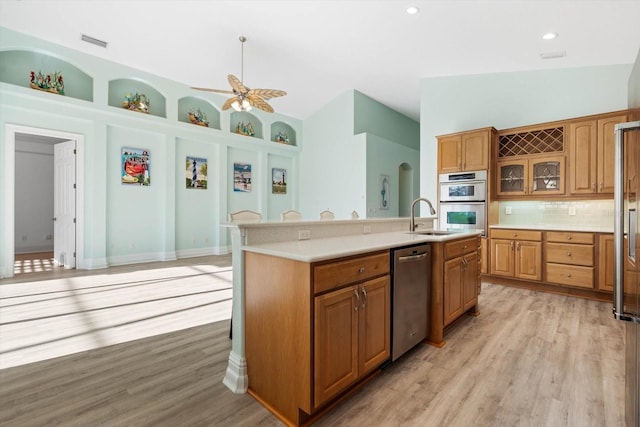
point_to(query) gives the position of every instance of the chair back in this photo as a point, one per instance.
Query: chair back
(291, 215)
(245, 216)
(327, 214)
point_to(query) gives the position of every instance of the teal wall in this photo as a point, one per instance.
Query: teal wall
(370, 116)
(504, 100)
(634, 85)
(124, 224)
(349, 143)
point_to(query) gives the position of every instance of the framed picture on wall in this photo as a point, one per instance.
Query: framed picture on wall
(135, 166)
(196, 173)
(384, 191)
(242, 177)
(278, 181)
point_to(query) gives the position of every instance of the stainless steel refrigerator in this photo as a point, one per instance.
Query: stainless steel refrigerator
(626, 302)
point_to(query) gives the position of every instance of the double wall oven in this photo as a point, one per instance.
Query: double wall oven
(463, 200)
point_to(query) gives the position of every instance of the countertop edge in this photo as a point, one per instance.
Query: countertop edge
(551, 227)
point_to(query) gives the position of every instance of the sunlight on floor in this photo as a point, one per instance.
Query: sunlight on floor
(33, 264)
(49, 318)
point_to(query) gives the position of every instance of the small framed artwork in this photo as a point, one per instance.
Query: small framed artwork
(242, 177)
(384, 192)
(196, 173)
(278, 181)
(136, 166)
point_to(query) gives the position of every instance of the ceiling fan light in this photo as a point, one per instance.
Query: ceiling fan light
(236, 105)
(245, 105)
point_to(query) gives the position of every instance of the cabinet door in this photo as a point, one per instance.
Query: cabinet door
(606, 152)
(583, 149)
(335, 343)
(605, 264)
(528, 260)
(452, 290)
(374, 327)
(475, 151)
(547, 176)
(502, 252)
(470, 281)
(450, 154)
(484, 256)
(512, 177)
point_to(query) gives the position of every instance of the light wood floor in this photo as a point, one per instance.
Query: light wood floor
(529, 359)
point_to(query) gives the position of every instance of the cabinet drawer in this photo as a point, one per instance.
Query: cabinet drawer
(455, 249)
(516, 234)
(336, 274)
(571, 275)
(569, 237)
(564, 253)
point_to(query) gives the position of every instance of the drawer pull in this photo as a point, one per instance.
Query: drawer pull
(364, 300)
(361, 270)
(568, 237)
(464, 247)
(568, 253)
(355, 291)
(515, 234)
(569, 275)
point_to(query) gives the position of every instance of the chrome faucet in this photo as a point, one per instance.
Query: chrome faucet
(412, 221)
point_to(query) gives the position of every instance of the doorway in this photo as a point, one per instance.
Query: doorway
(29, 224)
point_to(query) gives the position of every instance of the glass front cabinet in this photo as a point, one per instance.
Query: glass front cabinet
(543, 176)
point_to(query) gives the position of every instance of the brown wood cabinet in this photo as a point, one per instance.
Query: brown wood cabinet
(516, 253)
(352, 336)
(465, 151)
(460, 285)
(591, 147)
(570, 258)
(530, 176)
(605, 263)
(313, 330)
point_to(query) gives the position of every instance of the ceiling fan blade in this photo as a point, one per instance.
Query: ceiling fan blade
(228, 102)
(267, 93)
(260, 103)
(237, 85)
(213, 90)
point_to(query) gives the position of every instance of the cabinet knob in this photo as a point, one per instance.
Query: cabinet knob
(569, 237)
(569, 275)
(464, 247)
(593, 187)
(601, 185)
(361, 270)
(568, 253)
(515, 234)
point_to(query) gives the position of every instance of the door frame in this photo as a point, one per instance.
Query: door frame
(8, 224)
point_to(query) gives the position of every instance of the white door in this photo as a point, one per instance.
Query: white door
(64, 204)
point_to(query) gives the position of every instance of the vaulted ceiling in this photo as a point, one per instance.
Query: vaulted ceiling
(316, 50)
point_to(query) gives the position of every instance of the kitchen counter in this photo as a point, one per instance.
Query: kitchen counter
(562, 227)
(322, 249)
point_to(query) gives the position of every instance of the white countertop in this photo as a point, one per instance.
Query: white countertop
(336, 247)
(555, 227)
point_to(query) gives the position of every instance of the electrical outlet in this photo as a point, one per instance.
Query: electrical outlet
(367, 229)
(24, 238)
(507, 210)
(304, 234)
(572, 210)
(48, 237)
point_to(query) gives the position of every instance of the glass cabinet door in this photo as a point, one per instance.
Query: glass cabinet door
(547, 175)
(513, 178)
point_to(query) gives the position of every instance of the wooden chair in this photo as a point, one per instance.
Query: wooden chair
(327, 214)
(291, 215)
(245, 216)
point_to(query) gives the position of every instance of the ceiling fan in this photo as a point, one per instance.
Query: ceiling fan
(243, 98)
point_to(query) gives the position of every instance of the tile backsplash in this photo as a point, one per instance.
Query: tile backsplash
(577, 212)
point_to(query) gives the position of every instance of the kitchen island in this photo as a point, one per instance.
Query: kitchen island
(311, 317)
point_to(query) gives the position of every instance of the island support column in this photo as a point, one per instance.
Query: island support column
(236, 378)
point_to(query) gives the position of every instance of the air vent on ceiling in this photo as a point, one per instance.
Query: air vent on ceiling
(551, 55)
(89, 39)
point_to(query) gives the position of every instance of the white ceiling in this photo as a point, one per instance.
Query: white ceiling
(316, 50)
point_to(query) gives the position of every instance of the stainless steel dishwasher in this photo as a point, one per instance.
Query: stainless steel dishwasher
(411, 273)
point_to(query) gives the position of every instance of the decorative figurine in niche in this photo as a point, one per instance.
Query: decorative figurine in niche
(243, 129)
(197, 117)
(48, 83)
(138, 102)
(282, 137)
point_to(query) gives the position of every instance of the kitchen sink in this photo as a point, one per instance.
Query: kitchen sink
(433, 232)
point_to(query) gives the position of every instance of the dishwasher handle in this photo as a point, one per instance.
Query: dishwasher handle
(416, 257)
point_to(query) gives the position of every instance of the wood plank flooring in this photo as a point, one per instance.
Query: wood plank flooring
(529, 359)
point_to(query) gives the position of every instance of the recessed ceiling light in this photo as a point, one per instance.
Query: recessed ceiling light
(412, 10)
(549, 36)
